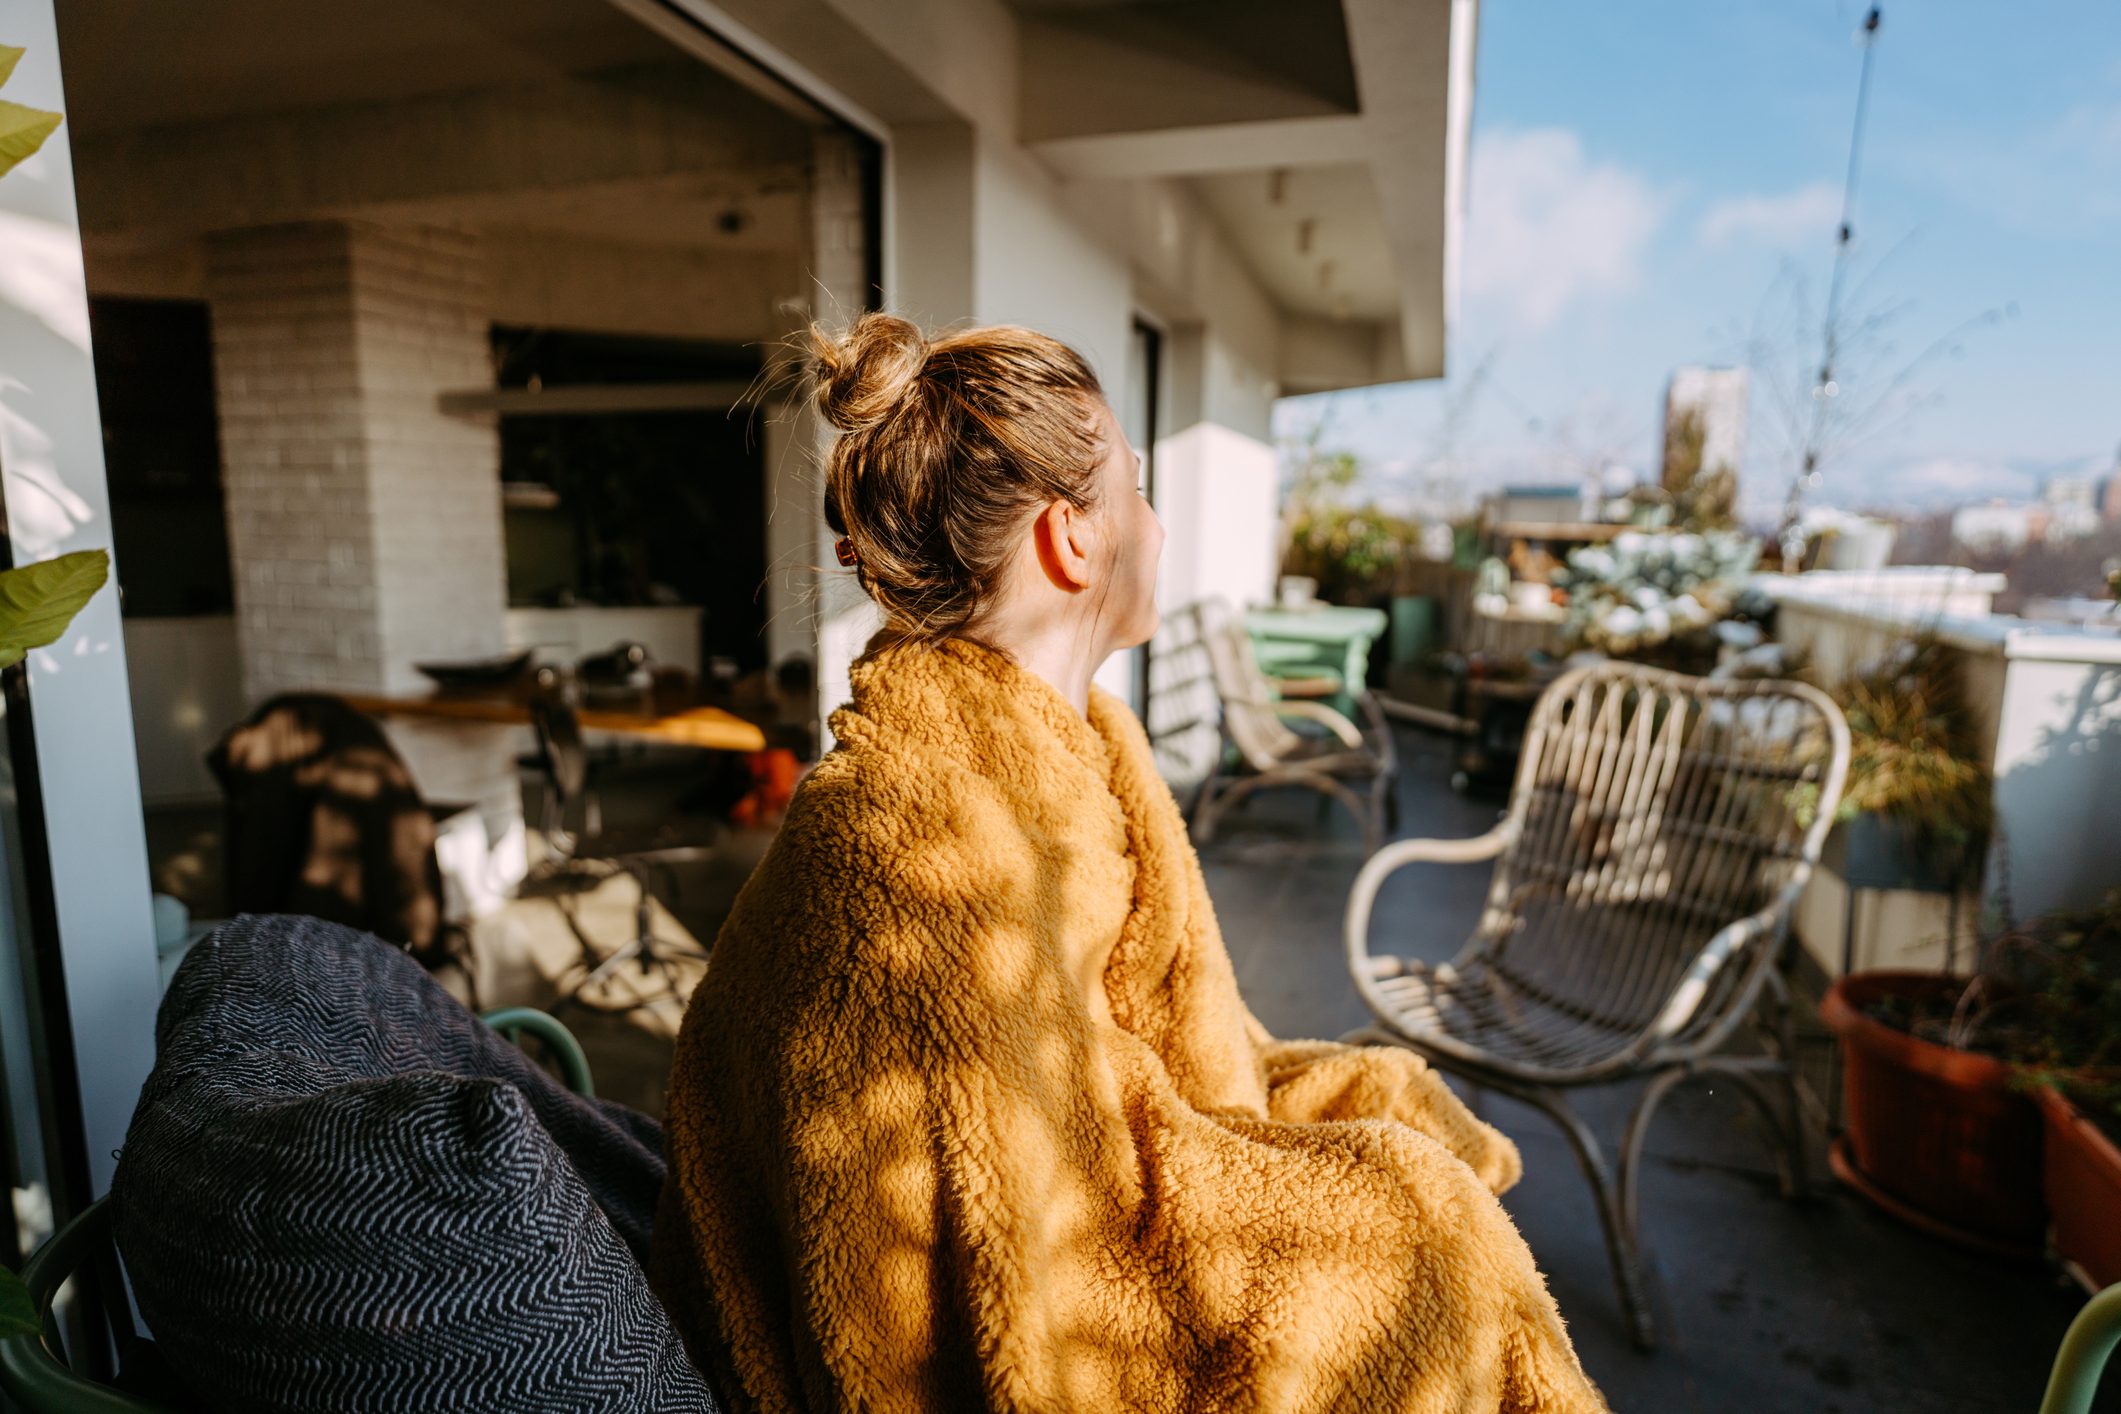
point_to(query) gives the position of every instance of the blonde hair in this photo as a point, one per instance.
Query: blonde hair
(947, 448)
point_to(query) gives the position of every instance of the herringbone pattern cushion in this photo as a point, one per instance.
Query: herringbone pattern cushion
(341, 1192)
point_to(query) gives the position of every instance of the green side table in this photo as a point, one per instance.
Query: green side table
(1329, 636)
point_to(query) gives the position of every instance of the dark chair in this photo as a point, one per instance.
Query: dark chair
(588, 855)
(36, 1380)
(324, 819)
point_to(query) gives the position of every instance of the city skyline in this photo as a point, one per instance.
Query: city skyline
(1649, 180)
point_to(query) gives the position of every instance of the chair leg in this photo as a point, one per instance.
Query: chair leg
(1632, 1142)
(1797, 1181)
(1366, 812)
(1207, 807)
(1622, 1252)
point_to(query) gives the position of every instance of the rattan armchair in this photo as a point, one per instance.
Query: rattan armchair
(1659, 832)
(1354, 765)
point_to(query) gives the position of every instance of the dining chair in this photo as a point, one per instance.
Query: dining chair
(596, 851)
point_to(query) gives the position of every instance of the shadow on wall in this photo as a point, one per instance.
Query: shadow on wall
(2058, 797)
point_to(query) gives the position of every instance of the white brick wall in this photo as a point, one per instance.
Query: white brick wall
(364, 525)
(840, 616)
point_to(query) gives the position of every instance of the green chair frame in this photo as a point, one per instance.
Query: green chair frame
(39, 1382)
(2086, 1345)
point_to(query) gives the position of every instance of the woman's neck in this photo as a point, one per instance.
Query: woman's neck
(1061, 656)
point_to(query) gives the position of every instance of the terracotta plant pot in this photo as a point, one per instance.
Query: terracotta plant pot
(2083, 1185)
(1936, 1136)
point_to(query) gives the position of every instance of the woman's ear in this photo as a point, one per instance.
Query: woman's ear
(1066, 542)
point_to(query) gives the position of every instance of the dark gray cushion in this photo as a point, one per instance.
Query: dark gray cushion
(341, 1191)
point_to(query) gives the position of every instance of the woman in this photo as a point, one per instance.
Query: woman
(968, 1113)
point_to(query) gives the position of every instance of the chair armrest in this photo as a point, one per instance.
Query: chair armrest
(1350, 735)
(566, 1051)
(2086, 1345)
(1687, 996)
(1362, 897)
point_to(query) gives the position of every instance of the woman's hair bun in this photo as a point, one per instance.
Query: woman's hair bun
(863, 374)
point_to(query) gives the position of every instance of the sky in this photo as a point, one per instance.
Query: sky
(1653, 180)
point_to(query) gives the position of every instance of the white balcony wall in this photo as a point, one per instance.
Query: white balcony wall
(2046, 701)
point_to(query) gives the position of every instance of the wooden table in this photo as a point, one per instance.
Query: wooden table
(668, 713)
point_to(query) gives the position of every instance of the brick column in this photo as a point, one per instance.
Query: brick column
(364, 524)
(844, 616)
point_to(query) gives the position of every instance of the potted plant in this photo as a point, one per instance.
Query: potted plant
(1936, 1130)
(1915, 811)
(2056, 1015)
(2081, 1180)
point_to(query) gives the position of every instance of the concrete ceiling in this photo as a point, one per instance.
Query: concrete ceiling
(735, 209)
(558, 115)
(1348, 115)
(1312, 235)
(149, 63)
(1106, 67)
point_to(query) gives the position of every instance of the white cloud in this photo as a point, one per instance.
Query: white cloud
(1808, 212)
(1546, 226)
(1937, 482)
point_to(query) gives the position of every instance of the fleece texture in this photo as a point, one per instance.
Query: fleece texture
(968, 1114)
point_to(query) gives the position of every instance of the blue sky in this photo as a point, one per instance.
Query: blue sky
(1645, 171)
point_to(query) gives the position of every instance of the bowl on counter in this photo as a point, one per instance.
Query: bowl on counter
(500, 670)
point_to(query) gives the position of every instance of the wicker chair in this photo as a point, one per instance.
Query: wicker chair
(1356, 767)
(1659, 832)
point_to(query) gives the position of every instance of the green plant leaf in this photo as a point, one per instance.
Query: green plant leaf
(38, 601)
(18, 1314)
(9, 56)
(22, 132)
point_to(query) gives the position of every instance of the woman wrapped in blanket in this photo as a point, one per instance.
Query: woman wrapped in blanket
(968, 1113)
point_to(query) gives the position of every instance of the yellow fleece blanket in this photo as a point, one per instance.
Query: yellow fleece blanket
(968, 1114)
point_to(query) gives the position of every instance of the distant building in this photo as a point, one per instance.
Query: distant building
(1717, 398)
(1704, 439)
(1998, 528)
(2110, 494)
(2072, 503)
(1538, 505)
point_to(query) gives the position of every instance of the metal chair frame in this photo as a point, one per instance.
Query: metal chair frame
(1659, 833)
(1361, 773)
(2086, 1345)
(589, 853)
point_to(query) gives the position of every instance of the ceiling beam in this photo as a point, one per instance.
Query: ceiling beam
(641, 121)
(1222, 147)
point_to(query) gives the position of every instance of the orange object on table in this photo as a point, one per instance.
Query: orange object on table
(671, 712)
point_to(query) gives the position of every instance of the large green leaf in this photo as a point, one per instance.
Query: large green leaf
(9, 55)
(38, 601)
(22, 132)
(18, 1314)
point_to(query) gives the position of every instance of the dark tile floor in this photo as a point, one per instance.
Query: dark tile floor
(1767, 1305)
